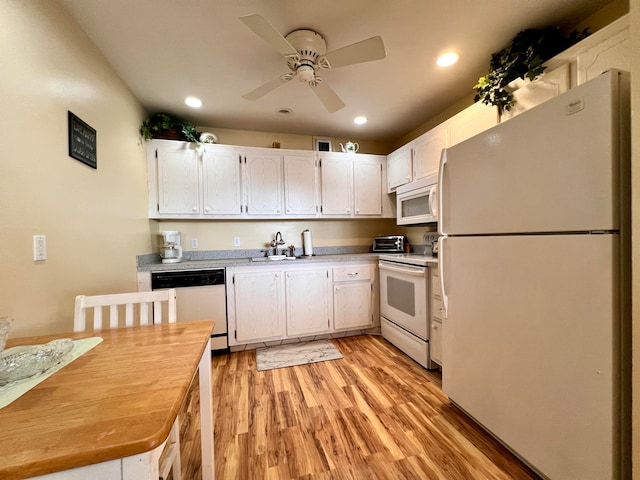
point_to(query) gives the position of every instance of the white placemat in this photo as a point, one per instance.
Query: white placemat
(14, 390)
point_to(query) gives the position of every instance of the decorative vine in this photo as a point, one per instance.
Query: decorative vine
(524, 57)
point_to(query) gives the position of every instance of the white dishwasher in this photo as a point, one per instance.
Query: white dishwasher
(200, 296)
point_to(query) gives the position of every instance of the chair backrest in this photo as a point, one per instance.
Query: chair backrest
(126, 303)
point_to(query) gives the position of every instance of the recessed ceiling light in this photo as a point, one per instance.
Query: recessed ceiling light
(447, 59)
(360, 120)
(193, 102)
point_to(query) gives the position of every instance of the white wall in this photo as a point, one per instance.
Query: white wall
(95, 220)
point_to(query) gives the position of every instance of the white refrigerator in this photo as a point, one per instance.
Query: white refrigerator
(534, 255)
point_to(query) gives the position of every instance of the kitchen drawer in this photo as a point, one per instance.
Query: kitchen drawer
(351, 274)
(437, 309)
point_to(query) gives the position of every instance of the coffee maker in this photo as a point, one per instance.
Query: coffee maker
(171, 251)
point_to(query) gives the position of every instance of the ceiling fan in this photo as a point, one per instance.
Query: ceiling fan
(306, 52)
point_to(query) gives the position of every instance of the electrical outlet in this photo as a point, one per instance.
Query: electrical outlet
(236, 241)
(194, 243)
(39, 247)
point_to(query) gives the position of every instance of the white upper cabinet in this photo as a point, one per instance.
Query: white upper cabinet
(337, 183)
(529, 94)
(426, 151)
(399, 168)
(221, 181)
(263, 172)
(221, 174)
(469, 122)
(612, 50)
(367, 183)
(301, 184)
(177, 179)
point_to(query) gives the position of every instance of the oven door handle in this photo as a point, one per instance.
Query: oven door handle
(415, 271)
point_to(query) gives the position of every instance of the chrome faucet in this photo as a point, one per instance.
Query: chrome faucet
(276, 242)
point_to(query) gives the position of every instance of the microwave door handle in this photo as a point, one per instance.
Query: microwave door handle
(415, 272)
(432, 200)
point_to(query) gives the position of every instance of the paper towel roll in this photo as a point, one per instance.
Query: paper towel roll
(307, 243)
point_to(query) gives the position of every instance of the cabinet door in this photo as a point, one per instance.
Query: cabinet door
(221, 180)
(308, 306)
(337, 181)
(367, 183)
(426, 152)
(614, 52)
(472, 120)
(399, 168)
(263, 183)
(178, 184)
(352, 306)
(259, 306)
(529, 94)
(300, 184)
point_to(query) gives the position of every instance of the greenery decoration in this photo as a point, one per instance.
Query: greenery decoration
(524, 57)
(168, 126)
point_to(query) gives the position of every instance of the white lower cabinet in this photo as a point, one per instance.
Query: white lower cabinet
(270, 304)
(258, 306)
(353, 297)
(308, 303)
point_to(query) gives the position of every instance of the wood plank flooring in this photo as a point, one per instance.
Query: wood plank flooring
(375, 414)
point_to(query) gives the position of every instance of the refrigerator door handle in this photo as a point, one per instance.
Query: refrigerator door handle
(441, 254)
(443, 162)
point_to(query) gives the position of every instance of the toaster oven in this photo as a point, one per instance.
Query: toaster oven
(390, 244)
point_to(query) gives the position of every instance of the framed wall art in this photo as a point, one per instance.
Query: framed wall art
(82, 141)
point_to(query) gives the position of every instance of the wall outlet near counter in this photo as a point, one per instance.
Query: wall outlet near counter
(194, 243)
(236, 241)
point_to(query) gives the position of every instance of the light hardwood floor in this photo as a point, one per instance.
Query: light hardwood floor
(373, 414)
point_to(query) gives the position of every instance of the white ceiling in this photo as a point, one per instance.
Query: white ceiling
(165, 50)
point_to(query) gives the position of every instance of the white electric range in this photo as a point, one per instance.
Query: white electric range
(404, 303)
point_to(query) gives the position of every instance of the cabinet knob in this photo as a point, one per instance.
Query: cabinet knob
(206, 209)
(435, 327)
(357, 210)
(277, 275)
(194, 209)
(337, 288)
(348, 210)
(288, 275)
(288, 210)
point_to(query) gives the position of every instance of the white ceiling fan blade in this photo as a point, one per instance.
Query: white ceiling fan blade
(364, 51)
(262, 90)
(328, 97)
(267, 32)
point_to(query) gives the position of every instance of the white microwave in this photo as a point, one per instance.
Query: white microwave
(417, 202)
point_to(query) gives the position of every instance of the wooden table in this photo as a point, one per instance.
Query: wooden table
(107, 414)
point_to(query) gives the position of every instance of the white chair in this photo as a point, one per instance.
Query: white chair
(152, 307)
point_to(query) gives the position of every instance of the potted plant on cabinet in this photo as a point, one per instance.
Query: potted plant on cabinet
(169, 127)
(524, 57)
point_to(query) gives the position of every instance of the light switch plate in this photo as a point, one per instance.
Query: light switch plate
(39, 247)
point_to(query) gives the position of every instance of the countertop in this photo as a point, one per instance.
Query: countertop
(205, 264)
(117, 400)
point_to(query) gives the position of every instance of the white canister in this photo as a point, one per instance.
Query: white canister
(307, 243)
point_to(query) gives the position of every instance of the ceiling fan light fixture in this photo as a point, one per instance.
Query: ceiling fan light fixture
(193, 102)
(447, 59)
(360, 120)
